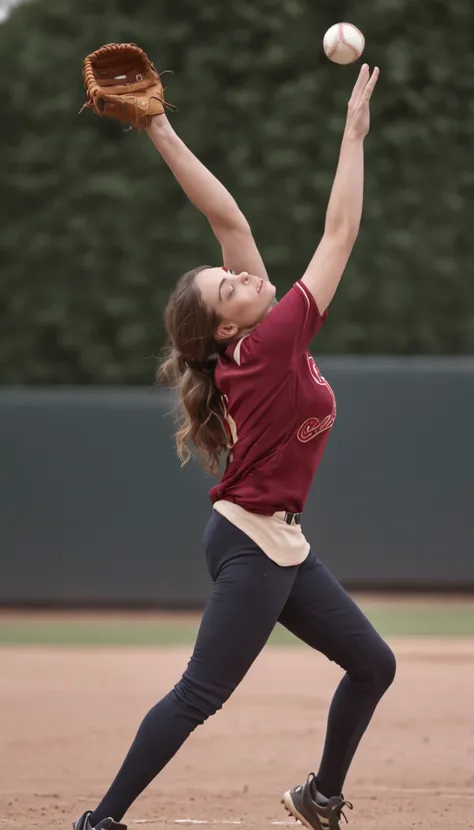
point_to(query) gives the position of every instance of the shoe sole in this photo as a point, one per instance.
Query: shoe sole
(290, 808)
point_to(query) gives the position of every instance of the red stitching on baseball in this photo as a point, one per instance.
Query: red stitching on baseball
(333, 50)
(357, 53)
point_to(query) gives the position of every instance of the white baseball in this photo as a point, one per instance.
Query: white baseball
(343, 43)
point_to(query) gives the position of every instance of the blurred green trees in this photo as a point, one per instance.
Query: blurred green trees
(94, 230)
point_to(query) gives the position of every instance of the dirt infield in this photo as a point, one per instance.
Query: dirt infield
(68, 716)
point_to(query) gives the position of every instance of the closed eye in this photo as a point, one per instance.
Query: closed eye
(225, 281)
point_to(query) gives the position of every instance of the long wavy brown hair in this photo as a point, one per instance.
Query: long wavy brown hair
(189, 368)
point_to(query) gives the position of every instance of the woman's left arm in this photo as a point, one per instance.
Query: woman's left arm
(208, 195)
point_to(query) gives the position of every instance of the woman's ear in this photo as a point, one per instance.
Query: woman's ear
(225, 331)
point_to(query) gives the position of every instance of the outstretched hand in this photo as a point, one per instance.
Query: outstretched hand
(358, 111)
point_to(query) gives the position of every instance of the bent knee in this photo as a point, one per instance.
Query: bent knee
(200, 700)
(378, 667)
(384, 667)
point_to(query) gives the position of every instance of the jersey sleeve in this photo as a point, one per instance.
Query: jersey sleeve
(286, 331)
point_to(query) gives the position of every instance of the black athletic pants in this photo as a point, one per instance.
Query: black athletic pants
(250, 594)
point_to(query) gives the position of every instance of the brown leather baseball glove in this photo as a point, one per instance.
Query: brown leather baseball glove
(121, 82)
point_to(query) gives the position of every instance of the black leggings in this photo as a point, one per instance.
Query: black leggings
(250, 594)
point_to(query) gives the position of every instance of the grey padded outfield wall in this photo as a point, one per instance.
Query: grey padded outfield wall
(94, 507)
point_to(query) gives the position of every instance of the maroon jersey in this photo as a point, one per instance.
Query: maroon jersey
(279, 409)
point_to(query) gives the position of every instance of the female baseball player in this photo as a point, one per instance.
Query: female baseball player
(251, 392)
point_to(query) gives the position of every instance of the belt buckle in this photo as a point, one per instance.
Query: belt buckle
(292, 517)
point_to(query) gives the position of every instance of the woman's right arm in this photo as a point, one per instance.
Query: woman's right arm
(344, 210)
(211, 197)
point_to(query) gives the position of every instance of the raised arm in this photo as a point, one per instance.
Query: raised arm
(208, 194)
(344, 210)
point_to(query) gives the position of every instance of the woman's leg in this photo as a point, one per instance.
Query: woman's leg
(323, 615)
(248, 595)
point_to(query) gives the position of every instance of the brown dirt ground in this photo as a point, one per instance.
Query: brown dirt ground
(68, 716)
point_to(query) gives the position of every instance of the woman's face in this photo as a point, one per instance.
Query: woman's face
(240, 300)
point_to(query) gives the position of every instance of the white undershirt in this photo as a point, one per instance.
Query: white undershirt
(283, 543)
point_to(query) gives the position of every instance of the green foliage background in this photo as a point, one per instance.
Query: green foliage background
(94, 230)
